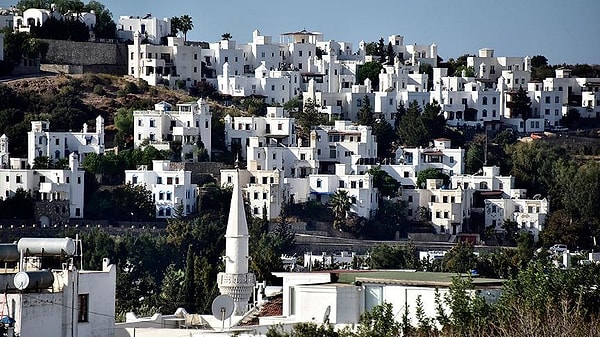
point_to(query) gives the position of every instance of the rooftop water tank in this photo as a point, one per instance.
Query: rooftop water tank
(33, 280)
(47, 246)
(6, 282)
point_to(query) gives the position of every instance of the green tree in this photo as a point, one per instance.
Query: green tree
(124, 124)
(431, 173)
(459, 259)
(365, 113)
(308, 118)
(385, 137)
(379, 321)
(394, 257)
(340, 204)
(189, 286)
(385, 184)
(105, 27)
(411, 130)
(226, 36)
(520, 107)
(371, 71)
(186, 24)
(175, 25)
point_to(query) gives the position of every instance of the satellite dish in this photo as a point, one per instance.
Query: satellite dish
(222, 307)
(326, 315)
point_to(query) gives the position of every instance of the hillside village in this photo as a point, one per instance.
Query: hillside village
(420, 169)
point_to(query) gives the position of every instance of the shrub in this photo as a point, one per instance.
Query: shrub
(143, 85)
(99, 90)
(130, 88)
(121, 93)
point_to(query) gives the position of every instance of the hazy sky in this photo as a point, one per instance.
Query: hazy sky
(562, 30)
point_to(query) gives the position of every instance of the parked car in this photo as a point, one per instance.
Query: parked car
(558, 248)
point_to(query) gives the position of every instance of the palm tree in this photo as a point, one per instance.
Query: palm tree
(340, 204)
(226, 36)
(185, 25)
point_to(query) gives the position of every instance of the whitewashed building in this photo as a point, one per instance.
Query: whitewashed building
(265, 190)
(488, 180)
(66, 301)
(168, 64)
(410, 161)
(150, 28)
(172, 190)
(529, 214)
(46, 184)
(447, 209)
(273, 129)
(59, 145)
(189, 124)
(36, 17)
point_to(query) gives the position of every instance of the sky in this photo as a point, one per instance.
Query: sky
(565, 31)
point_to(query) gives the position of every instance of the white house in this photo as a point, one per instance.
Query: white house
(49, 185)
(67, 301)
(158, 64)
(59, 145)
(487, 66)
(171, 189)
(150, 28)
(353, 293)
(529, 214)
(189, 124)
(274, 128)
(410, 161)
(447, 209)
(343, 143)
(265, 190)
(488, 180)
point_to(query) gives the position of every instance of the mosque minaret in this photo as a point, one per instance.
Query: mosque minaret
(236, 281)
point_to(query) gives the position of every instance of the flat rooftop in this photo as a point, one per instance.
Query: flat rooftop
(414, 278)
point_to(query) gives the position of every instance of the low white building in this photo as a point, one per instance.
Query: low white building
(353, 293)
(274, 128)
(189, 124)
(265, 190)
(59, 145)
(46, 185)
(447, 209)
(151, 29)
(67, 301)
(410, 161)
(168, 64)
(172, 190)
(343, 143)
(488, 180)
(529, 214)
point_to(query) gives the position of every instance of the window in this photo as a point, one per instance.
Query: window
(432, 198)
(445, 215)
(319, 181)
(410, 198)
(445, 199)
(264, 195)
(451, 159)
(158, 180)
(19, 180)
(464, 101)
(493, 100)
(169, 180)
(484, 113)
(484, 101)
(161, 195)
(83, 306)
(169, 196)
(57, 141)
(483, 185)
(299, 52)
(556, 99)
(341, 184)
(555, 112)
(547, 111)
(255, 195)
(77, 211)
(152, 124)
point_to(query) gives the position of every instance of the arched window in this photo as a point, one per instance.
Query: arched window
(483, 185)
(484, 113)
(484, 101)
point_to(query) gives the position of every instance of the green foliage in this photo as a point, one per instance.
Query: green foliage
(459, 259)
(123, 120)
(378, 322)
(387, 221)
(182, 24)
(387, 186)
(371, 71)
(394, 257)
(431, 173)
(19, 206)
(417, 127)
(365, 113)
(123, 203)
(340, 204)
(99, 90)
(62, 29)
(19, 45)
(307, 118)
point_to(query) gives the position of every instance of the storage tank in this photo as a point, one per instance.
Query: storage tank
(6, 282)
(33, 280)
(9, 252)
(47, 246)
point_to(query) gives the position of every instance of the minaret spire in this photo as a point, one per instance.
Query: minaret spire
(236, 281)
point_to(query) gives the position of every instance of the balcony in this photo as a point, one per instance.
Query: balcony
(53, 188)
